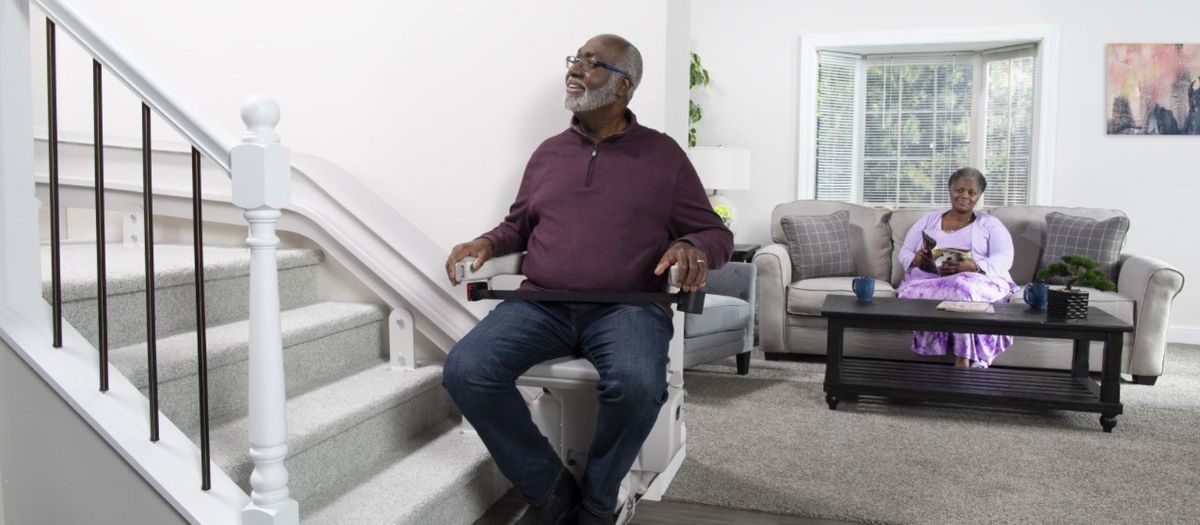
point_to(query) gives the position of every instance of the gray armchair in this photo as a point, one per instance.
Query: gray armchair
(727, 325)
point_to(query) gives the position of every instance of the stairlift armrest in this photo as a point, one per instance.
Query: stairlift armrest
(479, 288)
(504, 265)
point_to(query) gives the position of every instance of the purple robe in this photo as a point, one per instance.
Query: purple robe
(992, 249)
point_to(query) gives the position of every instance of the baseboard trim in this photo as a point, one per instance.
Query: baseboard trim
(1183, 334)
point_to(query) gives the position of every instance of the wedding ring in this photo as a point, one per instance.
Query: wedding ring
(700, 261)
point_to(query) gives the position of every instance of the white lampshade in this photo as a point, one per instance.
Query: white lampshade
(722, 168)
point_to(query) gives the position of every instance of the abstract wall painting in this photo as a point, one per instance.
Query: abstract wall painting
(1153, 89)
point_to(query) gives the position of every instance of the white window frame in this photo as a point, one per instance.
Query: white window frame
(933, 41)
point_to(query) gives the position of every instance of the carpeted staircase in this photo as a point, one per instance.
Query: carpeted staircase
(366, 444)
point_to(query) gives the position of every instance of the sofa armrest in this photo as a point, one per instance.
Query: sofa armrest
(1152, 284)
(774, 274)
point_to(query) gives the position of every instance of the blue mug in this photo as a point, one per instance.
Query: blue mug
(864, 288)
(1036, 295)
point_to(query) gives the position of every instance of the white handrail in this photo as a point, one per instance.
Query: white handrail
(210, 138)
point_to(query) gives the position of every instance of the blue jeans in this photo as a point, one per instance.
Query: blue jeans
(628, 346)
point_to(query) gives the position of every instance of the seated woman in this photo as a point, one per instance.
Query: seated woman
(980, 276)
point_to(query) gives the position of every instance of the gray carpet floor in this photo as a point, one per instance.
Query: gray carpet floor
(768, 442)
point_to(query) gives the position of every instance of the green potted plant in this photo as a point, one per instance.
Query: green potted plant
(698, 77)
(1070, 302)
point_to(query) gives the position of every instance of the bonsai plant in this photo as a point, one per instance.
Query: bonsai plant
(697, 77)
(1069, 302)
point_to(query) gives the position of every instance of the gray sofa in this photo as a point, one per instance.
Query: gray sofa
(789, 310)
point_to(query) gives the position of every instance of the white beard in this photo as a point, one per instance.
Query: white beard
(593, 99)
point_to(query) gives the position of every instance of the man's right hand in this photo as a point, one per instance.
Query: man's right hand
(480, 249)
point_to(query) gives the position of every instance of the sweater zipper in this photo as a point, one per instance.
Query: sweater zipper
(591, 165)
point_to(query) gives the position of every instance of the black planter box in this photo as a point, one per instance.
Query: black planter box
(1067, 305)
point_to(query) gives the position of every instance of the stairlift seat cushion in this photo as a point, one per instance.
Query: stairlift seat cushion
(561, 369)
(721, 313)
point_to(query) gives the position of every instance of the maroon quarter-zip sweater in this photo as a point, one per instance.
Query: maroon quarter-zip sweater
(598, 217)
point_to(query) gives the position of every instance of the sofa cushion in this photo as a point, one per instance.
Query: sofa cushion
(1027, 224)
(899, 223)
(1071, 235)
(870, 242)
(819, 245)
(806, 297)
(721, 313)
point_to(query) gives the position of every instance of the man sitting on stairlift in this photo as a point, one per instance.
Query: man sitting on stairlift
(606, 206)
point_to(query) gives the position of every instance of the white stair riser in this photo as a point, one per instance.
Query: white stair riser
(307, 365)
(225, 301)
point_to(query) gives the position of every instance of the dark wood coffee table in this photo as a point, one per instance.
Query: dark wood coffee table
(924, 381)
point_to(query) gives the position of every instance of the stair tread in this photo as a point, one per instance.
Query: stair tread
(174, 264)
(334, 407)
(405, 486)
(228, 343)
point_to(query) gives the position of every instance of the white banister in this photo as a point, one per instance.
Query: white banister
(260, 170)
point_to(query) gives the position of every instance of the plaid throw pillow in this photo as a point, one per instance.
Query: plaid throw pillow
(819, 245)
(1071, 235)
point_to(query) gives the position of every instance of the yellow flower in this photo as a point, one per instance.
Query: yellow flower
(724, 213)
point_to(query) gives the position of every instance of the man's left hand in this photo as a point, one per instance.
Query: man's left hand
(693, 265)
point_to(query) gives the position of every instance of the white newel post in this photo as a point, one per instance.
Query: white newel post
(20, 263)
(261, 168)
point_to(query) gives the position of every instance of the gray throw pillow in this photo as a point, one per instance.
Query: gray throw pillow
(819, 245)
(1071, 235)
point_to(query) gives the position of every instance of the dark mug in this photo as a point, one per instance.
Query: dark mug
(864, 288)
(1036, 295)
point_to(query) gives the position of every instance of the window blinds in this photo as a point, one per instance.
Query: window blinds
(1009, 126)
(917, 128)
(836, 81)
(891, 129)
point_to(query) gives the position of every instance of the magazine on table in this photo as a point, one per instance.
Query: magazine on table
(970, 307)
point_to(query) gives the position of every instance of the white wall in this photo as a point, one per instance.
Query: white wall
(436, 105)
(750, 50)
(2, 478)
(52, 456)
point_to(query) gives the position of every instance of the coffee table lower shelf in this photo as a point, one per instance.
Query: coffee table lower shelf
(915, 381)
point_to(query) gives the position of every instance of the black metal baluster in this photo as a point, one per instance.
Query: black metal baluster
(101, 264)
(201, 339)
(151, 338)
(55, 259)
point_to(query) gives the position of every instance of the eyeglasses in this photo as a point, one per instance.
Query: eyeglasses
(590, 63)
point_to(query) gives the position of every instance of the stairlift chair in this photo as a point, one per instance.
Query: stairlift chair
(565, 409)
